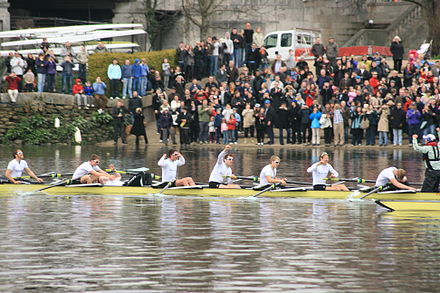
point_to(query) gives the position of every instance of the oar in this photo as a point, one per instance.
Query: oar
(355, 179)
(376, 189)
(272, 186)
(46, 175)
(54, 185)
(256, 178)
(166, 187)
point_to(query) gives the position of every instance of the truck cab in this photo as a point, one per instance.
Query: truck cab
(299, 40)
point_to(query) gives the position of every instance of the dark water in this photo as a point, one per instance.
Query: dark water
(171, 244)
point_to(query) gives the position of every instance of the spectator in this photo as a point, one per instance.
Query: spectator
(41, 69)
(204, 111)
(383, 125)
(89, 91)
(138, 128)
(101, 48)
(78, 92)
(18, 66)
(228, 49)
(67, 51)
(166, 72)
(413, 118)
(332, 50)
(397, 122)
(397, 50)
(51, 73)
(318, 49)
(127, 79)
(118, 114)
(29, 80)
(238, 42)
(114, 74)
(258, 38)
(99, 88)
(67, 75)
(13, 84)
(83, 58)
(248, 121)
(166, 122)
(181, 53)
(315, 117)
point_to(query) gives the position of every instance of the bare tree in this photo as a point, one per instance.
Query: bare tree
(200, 13)
(431, 9)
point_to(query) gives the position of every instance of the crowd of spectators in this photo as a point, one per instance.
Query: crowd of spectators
(226, 88)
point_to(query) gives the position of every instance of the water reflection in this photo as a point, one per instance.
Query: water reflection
(167, 244)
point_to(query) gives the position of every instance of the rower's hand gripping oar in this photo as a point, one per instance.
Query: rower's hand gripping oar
(67, 181)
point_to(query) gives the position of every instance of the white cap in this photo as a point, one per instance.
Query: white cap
(429, 137)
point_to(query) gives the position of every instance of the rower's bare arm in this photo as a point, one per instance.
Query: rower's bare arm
(32, 174)
(8, 175)
(401, 185)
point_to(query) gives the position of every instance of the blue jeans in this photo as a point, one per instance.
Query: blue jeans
(137, 85)
(143, 85)
(213, 60)
(397, 136)
(383, 138)
(203, 132)
(127, 89)
(41, 82)
(66, 83)
(238, 57)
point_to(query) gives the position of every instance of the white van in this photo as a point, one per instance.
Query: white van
(300, 40)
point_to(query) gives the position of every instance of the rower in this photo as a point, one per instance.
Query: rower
(393, 177)
(116, 181)
(431, 156)
(221, 176)
(89, 172)
(169, 169)
(269, 172)
(17, 166)
(321, 170)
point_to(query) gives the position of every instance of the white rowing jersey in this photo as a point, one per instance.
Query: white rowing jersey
(17, 167)
(385, 176)
(221, 170)
(84, 169)
(321, 171)
(267, 171)
(169, 168)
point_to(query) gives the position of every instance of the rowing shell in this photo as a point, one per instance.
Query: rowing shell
(96, 189)
(407, 205)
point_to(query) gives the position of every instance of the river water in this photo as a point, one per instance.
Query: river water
(52, 243)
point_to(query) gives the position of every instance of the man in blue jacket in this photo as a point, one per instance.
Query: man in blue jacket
(137, 73)
(127, 79)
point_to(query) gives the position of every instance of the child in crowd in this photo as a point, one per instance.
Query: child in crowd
(232, 126)
(224, 131)
(29, 79)
(88, 91)
(212, 131)
(78, 92)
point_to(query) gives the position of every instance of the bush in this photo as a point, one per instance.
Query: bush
(98, 63)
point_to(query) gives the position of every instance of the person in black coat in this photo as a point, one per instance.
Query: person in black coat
(282, 122)
(397, 50)
(184, 120)
(253, 58)
(397, 122)
(295, 122)
(118, 114)
(270, 119)
(138, 128)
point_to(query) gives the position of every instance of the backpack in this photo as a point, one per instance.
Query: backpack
(141, 179)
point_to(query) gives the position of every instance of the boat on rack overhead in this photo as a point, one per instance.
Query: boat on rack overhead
(201, 191)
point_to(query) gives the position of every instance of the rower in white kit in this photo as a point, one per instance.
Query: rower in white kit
(169, 164)
(268, 174)
(221, 176)
(321, 170)
(17, 166)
